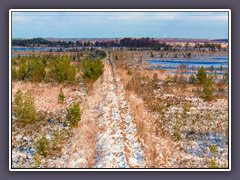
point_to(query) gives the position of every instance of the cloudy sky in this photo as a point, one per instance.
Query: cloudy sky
(120, 24)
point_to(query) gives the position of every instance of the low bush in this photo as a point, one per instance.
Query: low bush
(213, 149)
(92, 69)
(62, 70)
(24, 108)
(22, 70)
(212, 164)
(159, 108)
(166, 82)
(43, 146)
(57, 142)
(186, 108)
(129, 72)
(201, 75)
(61, 96)
(155, 77)
(14, 73)
(192, 79)
(36, 70)
(225, 77)
(208, 89)
(176, 132)
(37, 160)
(74, 114)
(189, 55)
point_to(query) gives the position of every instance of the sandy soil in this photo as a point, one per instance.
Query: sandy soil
(46, 95)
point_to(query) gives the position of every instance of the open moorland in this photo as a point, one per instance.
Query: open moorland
(120, 108)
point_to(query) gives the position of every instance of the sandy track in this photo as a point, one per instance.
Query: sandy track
(81, 151)
(117, 144)
(106, 136)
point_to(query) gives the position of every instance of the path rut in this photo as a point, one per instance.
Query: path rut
(117, 144)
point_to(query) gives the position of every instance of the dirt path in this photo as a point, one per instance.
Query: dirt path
(106, 136)
(117, 144)
(80, 152)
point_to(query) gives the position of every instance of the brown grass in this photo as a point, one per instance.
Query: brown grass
(83, 142)
(149, 129)
(46, 94)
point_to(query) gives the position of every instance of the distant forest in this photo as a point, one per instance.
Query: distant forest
(125, 42)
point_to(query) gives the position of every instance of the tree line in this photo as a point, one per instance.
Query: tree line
(124, 42)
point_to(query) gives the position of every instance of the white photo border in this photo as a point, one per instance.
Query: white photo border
(118, 10)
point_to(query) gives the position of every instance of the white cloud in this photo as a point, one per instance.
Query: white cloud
(128, 16)
(104, 23)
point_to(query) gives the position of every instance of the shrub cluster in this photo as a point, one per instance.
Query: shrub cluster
(56, 68)
(208, 89)
(97, 54)
(43, 146)
(207, 83)
(176, 132)
(201, 76)
(61, 96)
(74, 114)
(61, 70)
(92, 69)
(33, 70)
(24, 108)
(37, 69)
(225, 77)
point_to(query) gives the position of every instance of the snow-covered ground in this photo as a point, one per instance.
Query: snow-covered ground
(117, 145)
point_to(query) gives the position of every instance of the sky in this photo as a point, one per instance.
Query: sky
(213, 25)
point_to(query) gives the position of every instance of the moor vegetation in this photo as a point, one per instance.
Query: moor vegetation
(47, 131)
(184, 108)
(181, 120)
(24, 108)
(92, 70)
(58, 68)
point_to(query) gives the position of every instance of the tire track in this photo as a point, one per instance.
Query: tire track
(117, 144)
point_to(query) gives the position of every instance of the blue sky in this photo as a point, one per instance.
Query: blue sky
(120, 24)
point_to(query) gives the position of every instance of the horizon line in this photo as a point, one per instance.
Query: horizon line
(117, 37)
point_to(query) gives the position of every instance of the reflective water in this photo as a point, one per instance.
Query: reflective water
(34, 49)
(219, 63)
